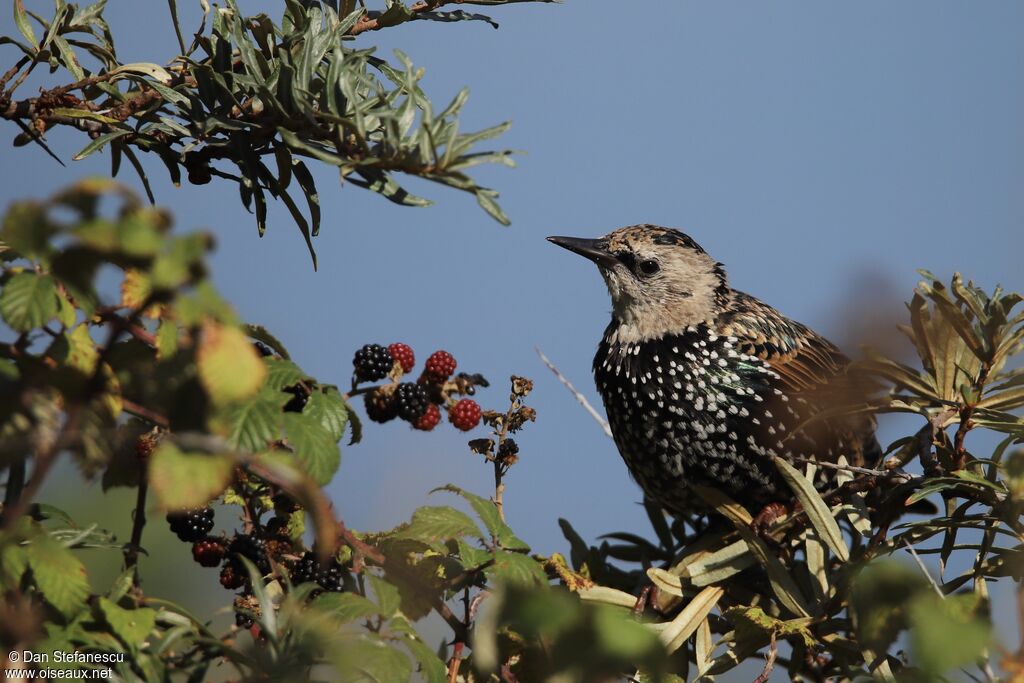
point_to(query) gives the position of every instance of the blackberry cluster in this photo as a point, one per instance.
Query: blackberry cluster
(430, 419)
(251, 548)
(308, 570)
(191, 525)
(411, 401)
(372, 362)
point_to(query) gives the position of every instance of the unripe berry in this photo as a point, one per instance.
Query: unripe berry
(465, 414)
(439, 366)
(403, 355)
(429, 419)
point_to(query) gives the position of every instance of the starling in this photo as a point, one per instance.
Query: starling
(704, 384)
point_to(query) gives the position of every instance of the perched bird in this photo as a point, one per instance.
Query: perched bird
(704, 384)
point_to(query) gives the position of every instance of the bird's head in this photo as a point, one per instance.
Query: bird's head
(659, 279)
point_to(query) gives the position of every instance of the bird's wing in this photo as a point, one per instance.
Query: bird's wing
(802, 358)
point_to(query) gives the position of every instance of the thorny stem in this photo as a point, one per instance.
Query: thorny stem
(131, 559)
(15, 483)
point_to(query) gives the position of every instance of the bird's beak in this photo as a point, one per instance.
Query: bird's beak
(591, 249)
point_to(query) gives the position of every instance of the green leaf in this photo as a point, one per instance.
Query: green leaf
(22, 22)
(100, 142)
(346, 606)
(282, 373)
(28, 300)
(432, 668)
(315, 449)
(132, 626)
(329, 409)
(488, 514)
(817, 511)
(432, 525)
(184, 480)
(368, 659)
(948, 633)
(58, 574)
(387, 594)
(229, 367)
(252, 425)
(517, 569)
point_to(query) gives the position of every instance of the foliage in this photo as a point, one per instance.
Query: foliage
(250, 100)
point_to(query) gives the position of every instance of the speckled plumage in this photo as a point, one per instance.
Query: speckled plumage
(705, 384)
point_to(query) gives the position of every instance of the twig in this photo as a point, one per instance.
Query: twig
(575, 392)
(9, 74)
(769, 661)
(924, 569)
(135, 409)
(131, 557)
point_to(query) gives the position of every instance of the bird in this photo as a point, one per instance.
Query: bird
(707, 385)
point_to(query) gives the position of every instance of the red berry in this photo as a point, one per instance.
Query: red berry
(231, 579)
(439, 366)
(208, 553)
(429, 419)
(465, 414)
(404, 355)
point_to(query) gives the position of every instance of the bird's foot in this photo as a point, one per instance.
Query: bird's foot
(763, 521)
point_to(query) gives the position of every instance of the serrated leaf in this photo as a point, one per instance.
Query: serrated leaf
(432, 525)
(230, 369)
(260, 333)
(251, 426)
(346, 606)
(330, 410)
(315, 449)
(282, 373)
(488, 514)
(28, 300)
(387, 594)
(132, 626)
(185, 480)
(58, 574)
(517, 569)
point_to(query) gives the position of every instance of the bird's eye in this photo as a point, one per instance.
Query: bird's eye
(649, 267)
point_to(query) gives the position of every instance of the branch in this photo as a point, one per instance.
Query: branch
(575, 392)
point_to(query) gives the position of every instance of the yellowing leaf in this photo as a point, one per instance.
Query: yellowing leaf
(229, 367)
(184, 480)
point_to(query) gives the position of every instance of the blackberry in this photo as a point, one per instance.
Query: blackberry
(191, 525)
(308, 570)
(244, 621)
(305, 569)
(372, 362)
(208, 552)
(465, 414)
(403, 355)
(263, 349)
(380, 406)
(231, 577)
(251, 548)
(439, 366)
(298, 400)
(412, 401)
(429, 419)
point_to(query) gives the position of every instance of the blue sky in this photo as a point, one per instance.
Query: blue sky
(822, 151)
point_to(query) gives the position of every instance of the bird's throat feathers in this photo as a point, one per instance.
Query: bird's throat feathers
(665, 310)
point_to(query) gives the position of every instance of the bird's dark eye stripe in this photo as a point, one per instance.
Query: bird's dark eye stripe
(626, 258)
